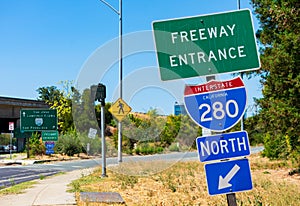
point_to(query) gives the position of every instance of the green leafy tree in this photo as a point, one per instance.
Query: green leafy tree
(108, 116)
(84, 113)
(61, 100)
(171, 130)
(280, 58)
(49, 94)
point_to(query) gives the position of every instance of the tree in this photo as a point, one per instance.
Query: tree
(84, 113)
(109, 120)
(280, 59)
(49, 94)
(61, 100)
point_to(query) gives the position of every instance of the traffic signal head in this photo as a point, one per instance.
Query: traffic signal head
(101, 92)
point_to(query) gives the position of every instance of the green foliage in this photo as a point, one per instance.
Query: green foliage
(69, 144)
(4, 139)
(147, 149)
(95, 144)
(49, 94)
(84, 112)
(171, 130)
(108, 116)
(61, 100)
(174, 147)
(271, 144)
(88, 115)
(255, 132)
(151, 133)
(36, 145)
(280, 106)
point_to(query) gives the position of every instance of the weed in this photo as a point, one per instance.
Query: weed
(184, 183)
(126, 180)
(172, 187)
(12, 182)
(75, 187)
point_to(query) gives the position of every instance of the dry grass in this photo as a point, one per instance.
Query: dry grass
(184, 183)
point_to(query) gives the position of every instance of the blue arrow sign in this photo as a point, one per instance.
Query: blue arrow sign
(228, 176)
(216, 105)
(49, 147)
(223, 146)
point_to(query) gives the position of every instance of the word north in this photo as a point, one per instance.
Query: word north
(223, 146)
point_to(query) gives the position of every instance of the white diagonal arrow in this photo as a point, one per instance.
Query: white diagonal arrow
(224, 182)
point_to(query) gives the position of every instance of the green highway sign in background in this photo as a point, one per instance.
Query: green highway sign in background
(206, 45)
(38, 119)
(49, 136)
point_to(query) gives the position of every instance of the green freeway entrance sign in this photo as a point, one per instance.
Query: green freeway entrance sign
(38, 119)
(206, 45)
(49, 136)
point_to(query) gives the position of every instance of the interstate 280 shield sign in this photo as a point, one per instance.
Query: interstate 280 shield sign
(216, 105)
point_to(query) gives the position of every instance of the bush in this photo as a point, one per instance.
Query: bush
(95, 144)
(174, 147)
(147, 149)
(68, 144)
(36, 145)
(4, 139)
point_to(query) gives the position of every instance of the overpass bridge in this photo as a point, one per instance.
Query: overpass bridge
(10, 112)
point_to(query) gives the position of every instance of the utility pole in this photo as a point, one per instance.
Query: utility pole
(119, 13)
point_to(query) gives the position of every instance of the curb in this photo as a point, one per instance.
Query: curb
(29, 162)
(20, 162)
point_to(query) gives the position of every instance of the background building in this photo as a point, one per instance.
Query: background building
(179, 109)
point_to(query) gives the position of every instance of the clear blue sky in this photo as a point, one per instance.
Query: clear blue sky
(43, 42)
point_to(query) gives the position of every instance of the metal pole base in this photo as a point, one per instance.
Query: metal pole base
(231, 199)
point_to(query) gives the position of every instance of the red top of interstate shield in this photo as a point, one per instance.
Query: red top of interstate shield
(213, 85)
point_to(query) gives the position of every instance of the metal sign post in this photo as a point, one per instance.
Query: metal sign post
(100, 96)
(11, 129)
(231, 198)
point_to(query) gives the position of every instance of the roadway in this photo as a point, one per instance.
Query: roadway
(10, 175)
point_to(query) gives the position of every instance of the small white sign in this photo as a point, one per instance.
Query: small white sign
(206, 132)
(92, 133)
(11, 126)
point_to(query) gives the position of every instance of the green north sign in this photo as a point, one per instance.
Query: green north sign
(38, 119)
(206, 45)
(49, 136)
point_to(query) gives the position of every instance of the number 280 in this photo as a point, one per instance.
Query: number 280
(219, 111)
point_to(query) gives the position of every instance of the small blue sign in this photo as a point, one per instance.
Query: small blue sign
(223, 146)
(228, 177)
(49, 147)
(216, 105)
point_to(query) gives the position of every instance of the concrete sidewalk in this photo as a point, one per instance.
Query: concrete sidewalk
(47, 192)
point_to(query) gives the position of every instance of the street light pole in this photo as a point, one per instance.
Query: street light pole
(120, 70)
(121, 82)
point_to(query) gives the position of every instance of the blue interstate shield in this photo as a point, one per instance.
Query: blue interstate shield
(216, 105)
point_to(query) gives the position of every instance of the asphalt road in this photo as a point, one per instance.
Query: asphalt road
(10, 175)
